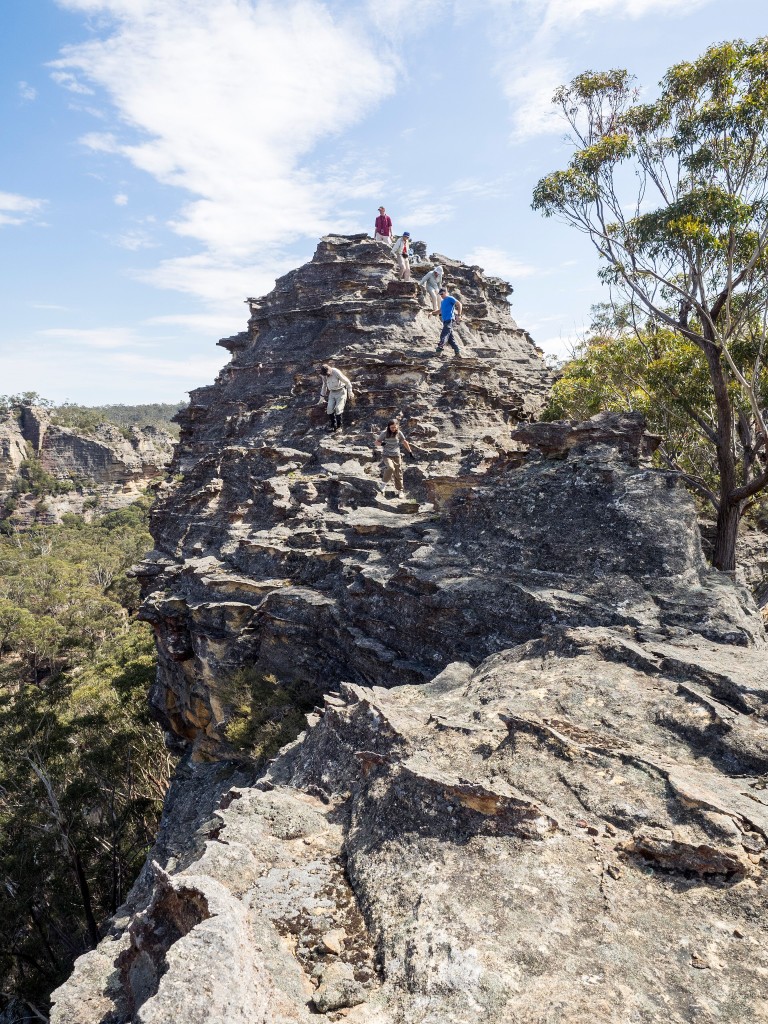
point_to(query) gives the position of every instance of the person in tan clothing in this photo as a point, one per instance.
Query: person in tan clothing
(392, 461)
(337, 389)
(401, 250)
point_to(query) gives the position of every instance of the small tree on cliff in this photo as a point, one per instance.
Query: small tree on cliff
(674, 196)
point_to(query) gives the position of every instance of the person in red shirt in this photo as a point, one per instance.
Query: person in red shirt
(383, 227)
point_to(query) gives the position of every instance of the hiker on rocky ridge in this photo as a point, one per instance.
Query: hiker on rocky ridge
(450, 312)
(337, 389)
(431, 283)
(402, 252)
(392, 461)
(382, 229)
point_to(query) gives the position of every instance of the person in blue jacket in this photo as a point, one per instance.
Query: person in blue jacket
(450, 312)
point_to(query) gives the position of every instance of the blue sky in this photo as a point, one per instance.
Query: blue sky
(162, 160)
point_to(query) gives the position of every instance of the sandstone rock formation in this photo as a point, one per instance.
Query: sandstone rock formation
(108, 457)
(533, 787)
(13, 451)
(107, 464)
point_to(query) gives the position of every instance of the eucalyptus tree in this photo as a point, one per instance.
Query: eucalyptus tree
(674, 196)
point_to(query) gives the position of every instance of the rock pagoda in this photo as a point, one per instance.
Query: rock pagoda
(532, 785)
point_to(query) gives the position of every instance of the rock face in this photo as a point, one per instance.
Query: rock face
(13, 451)
(109, 465)
(533, 788)
(108, 457)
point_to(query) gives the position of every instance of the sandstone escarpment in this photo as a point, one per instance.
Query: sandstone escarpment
(533, 785)
(108, 466)
(107, 457)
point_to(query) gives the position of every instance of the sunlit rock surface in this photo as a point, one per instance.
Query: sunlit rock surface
(533, 788)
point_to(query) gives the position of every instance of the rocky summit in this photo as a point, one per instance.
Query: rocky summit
(533, 781)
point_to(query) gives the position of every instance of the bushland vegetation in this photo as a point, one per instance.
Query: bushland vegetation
(673, 194)
(83, 768)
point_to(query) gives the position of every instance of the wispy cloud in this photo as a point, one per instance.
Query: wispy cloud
(531, 71)
(529, 90)
(27, 92)
(229, 112)
(121, 199)
(16, 209)
(115, 376)
(70, 83)
(501, 264)
(558, 14)
(134, 240)
(212, 325)
(100, 338)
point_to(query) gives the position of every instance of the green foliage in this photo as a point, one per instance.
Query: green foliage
(86, 419)
(698, 199)
(674, 196)
(263, 715)
(33, 479)
(621, 366)
(11, 404)
(83, 769)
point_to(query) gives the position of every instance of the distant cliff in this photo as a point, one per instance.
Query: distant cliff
(67, 467)
(531, 785)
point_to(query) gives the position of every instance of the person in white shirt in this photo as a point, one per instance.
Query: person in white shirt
(337, 389)
(402, 252)
(392, 461)
(432, 282)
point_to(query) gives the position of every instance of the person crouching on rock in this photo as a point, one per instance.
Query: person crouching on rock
(432, 283)
(337, 389)
(392, 461)
(402, 252)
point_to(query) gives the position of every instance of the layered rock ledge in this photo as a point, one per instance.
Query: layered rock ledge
(533, 787)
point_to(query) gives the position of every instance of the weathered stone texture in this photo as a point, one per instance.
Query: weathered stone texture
(13, 451)
(108, 457)
(533, 787)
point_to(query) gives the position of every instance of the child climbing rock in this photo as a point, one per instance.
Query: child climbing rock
(392, 461)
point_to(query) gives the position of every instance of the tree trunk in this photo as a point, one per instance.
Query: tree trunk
(85, 895)
(729, 512)
(724, 554)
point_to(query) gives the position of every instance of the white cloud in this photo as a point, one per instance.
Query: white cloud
(561, 346)
(529, 89)
(560, 13)
(228, 110)
(219, 281)
(500, 264)
(115, 376)
(27, 91)
(100, 338)
(531, 72)
(212, 325)
(70, 83)
(134, 240)
(16, 209)
(121, 199)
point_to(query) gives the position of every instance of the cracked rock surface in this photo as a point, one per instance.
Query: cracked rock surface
(534, 785)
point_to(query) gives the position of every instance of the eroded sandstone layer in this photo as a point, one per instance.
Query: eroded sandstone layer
(534, 786)
(110, 465)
